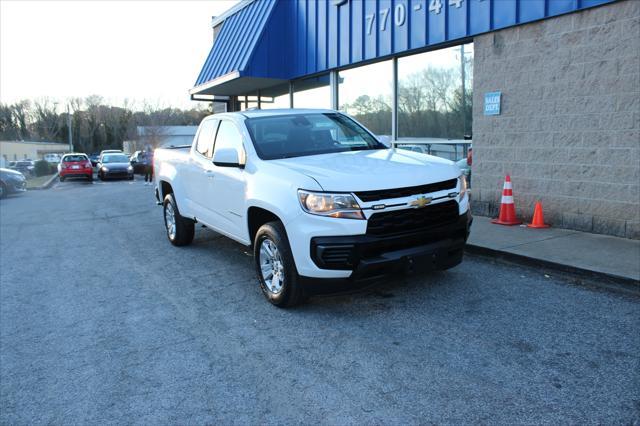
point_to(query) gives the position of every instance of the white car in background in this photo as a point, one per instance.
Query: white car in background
(52, 158)
(316, 195)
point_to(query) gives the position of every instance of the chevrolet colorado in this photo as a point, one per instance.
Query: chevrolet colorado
(316, 195)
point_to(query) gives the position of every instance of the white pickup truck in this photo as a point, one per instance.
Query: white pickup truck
(316, 195)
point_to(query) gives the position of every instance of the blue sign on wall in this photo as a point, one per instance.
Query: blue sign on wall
(492, 103)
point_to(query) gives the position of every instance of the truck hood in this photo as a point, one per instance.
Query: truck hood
(352, 171)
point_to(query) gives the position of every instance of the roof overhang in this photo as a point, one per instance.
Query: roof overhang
(233, 84)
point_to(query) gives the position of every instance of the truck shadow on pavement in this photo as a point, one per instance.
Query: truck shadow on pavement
(390, 289)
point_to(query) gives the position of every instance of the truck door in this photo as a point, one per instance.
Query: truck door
(200, 171)
(230, 184)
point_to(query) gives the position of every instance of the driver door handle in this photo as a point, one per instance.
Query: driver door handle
(210, 174)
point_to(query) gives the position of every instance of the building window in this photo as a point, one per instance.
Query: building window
(275, 97)
(312, 92)
(249, 101)
(433, 102)
(365, 93)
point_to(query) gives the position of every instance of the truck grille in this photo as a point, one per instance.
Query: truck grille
(384, 194)
(408, 220)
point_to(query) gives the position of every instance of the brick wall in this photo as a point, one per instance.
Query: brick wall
(569, 132)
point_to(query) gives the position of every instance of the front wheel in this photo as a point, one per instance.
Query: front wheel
(180, 230)
(275, 267)
(61, 178)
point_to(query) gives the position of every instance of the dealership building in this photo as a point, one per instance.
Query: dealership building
(547, 91)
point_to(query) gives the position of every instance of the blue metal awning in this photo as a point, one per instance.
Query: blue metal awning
(262, 43)
(233, 49)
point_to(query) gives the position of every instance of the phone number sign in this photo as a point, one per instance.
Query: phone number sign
(492, 103)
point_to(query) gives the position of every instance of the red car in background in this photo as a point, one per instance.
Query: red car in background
(75, 165)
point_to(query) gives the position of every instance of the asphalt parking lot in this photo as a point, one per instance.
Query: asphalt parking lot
(103, 321)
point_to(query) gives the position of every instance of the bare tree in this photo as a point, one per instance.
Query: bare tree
(22, 116)
(47, 122)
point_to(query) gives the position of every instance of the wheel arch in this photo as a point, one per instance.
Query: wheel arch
(258, 216)
(165, 189)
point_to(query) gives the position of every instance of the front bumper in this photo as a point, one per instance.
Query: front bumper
(364, 256)
(16, 185)
(114, 174)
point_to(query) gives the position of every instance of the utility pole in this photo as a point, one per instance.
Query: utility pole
(69, 129)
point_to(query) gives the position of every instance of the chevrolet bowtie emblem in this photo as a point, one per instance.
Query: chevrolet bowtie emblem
(420, 202)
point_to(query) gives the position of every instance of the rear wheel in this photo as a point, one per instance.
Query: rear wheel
(180, 230)
(90, 178)
(275, 267)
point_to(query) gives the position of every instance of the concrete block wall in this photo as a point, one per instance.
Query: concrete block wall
(569, 131)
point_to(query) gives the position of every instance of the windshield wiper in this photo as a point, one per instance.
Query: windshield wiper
(362, 148)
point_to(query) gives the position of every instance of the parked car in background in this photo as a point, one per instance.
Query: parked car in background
(114, 165)
(25, 167)
(75, 165)
(422, 149)
(52, 158)
(95, 158)
(11, 182)
(315, 195)
(464, 165)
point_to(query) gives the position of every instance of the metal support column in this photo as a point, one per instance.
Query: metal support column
(333, 82)
(290, 94)
(394, 103)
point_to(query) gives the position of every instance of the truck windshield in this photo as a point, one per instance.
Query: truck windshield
(297, 135)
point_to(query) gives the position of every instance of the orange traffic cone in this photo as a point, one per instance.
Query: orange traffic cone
(538, 217)
(507, 214)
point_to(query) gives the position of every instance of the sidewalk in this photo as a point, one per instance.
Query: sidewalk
(573, 251)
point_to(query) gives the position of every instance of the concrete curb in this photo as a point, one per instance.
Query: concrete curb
(588, 277)
(48, 184)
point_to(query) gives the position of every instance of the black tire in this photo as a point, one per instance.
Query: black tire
(100, 176)
(292, 292)
(184, 228)
(3, 190)
(62, 178)
(90, 178)
(130, 177)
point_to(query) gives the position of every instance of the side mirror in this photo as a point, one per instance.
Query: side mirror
(227, 157)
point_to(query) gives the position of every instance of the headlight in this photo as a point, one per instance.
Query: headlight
(104, 169)
(130, 168)
(462, 182)
(342, 206)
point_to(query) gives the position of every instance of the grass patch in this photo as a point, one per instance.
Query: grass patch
(36, 182)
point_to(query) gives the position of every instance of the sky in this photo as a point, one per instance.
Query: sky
(136, 50)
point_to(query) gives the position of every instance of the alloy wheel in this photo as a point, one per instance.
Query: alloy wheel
(271, 266)
(170, 221)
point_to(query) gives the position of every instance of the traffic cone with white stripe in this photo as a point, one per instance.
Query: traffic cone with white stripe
(507, 214)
